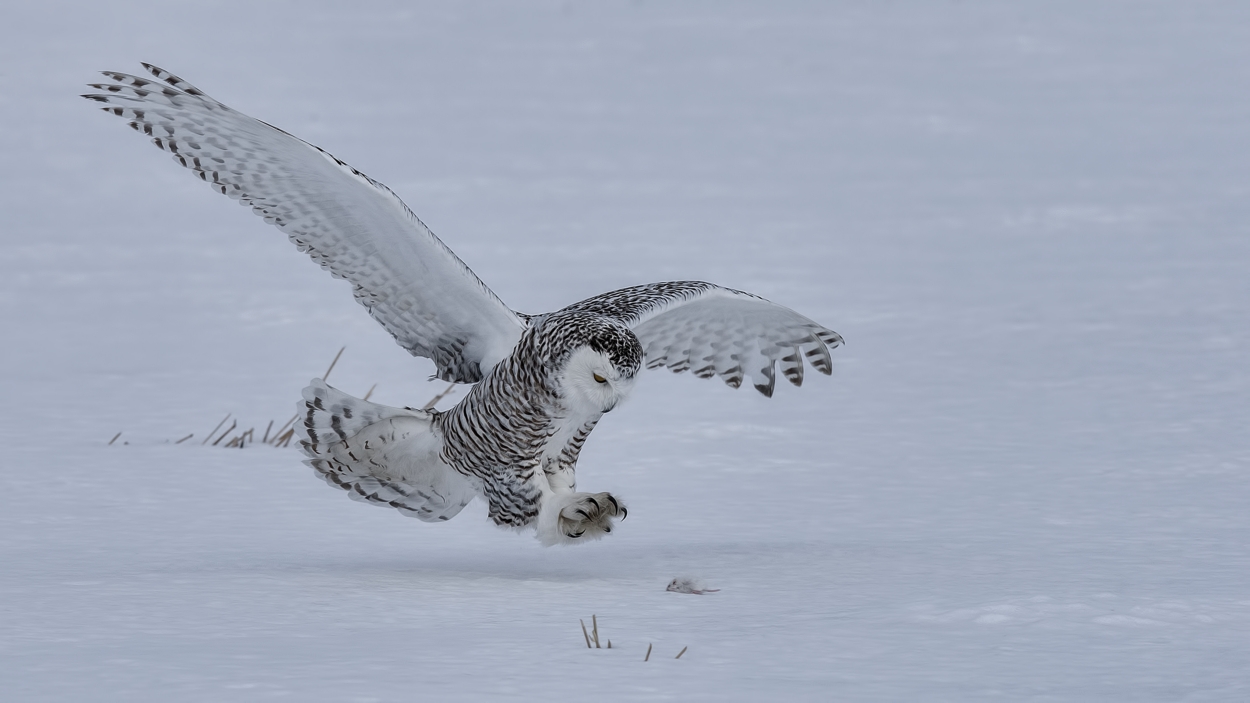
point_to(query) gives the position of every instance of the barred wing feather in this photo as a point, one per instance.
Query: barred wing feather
(715, 331)
(350, 224)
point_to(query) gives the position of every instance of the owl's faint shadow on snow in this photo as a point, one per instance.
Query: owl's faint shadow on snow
(576, 564)
(533, 563)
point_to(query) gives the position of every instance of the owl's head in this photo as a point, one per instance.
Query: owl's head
(600, 370)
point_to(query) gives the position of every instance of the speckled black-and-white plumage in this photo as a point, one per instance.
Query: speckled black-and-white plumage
(542, 382)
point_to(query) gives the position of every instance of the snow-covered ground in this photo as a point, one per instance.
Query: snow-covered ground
(1027, 478)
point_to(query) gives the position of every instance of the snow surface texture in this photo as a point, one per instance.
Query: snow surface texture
(1027, 478)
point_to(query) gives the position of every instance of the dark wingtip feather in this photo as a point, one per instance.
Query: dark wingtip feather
(173, 80)
(833, 339)
(792, 367)
(155, 70)
(770, 373)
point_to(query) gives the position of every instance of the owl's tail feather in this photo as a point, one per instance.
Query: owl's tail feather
(379, 454)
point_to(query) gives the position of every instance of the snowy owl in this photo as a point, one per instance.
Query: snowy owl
(541, 382)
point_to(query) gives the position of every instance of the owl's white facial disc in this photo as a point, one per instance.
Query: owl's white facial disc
(591, 383)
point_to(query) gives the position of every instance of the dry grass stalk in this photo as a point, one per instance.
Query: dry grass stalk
(326, 375)
(594, 621)
(683, 651)
(446, 391)
(114, 439)
(371, 389)
(648, 657)
(265, 439)
(218, 427)
(584, 634)
(278, 437)
(185, 438)
(223, 434)
(241, 440)
(285, 439)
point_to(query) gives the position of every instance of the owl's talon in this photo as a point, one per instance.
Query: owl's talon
(589, 516)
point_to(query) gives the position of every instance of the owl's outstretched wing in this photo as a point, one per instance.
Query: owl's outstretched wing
(717, 331)
(350, 224)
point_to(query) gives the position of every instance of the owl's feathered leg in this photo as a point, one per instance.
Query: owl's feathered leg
(569, 518)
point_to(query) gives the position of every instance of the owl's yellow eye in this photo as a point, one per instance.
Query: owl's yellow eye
(600, 379)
